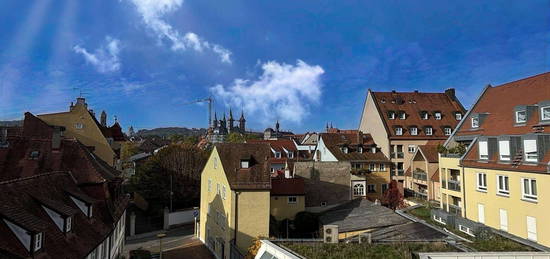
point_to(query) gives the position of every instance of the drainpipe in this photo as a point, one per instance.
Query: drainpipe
(236, 216)
(463, 189)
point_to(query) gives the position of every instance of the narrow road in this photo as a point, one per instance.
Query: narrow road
(174, 238)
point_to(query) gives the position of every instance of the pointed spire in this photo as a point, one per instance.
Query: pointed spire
(230, 114)
(277, 126)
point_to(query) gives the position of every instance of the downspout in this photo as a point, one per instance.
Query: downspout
(236, 216)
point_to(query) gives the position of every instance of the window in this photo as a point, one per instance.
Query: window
(483, 150)
(371, 188)
(482, 182)
(290, 154)
(429, 131)
(466, 230)
(360, 149)
(215, 162)
(391, 115)
(475, 122)
(402, 115)
(373, 150)
(223, 192)
(502, 185)
(424, 115)
(34, 155)
(437, 115)
(503, 220)
(531, 228)
(68, 224)
(529, 189)
(292, 199)
(481, 213)
(344, 150)
(277, 154)
(439, 219)
(530, 149)
(218, 189)
(79, 126)
(448, 131)
(38, 241)
(384, 187)
(323, 204)
(209, 185)
(245, 163)
(458, 116)
(412, 148)
(372, 167)
(399, 131)
(504, 150)
(521, 116)
(545, 112)
(382, 167)
(414, 131)
(358, 189)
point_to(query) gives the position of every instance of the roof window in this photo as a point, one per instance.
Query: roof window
(398, 131)
(437, 115)
(521, 116)
(545, 113)
(414, 131)
(34, 155)
(245, 163)
(402, 115)
(424, 115)
(391, 115)
(475, 122)
(458, 116)
(428, 130)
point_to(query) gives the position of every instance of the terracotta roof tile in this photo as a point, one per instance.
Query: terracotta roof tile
(334, 142)
(257, 176)
(287, 186)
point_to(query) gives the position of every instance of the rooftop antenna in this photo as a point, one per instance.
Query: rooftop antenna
(80, 92)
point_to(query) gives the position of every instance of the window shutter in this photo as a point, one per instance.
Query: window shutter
(503, 220)
(504, 147)
(483, 149)
(481, 213)
(530, 145)
(531, 228)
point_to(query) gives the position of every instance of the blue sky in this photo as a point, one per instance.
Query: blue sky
(303, 62)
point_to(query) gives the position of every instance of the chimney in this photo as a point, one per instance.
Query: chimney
(81, 101)
(360, 137)
(451, 93)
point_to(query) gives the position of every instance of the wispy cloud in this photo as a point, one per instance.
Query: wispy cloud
(104, 59)
(152, 12)
(282, 91)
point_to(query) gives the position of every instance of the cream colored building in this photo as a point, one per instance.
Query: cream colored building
(80, 123)
(401, 121)
(235, 198)
(422, 177)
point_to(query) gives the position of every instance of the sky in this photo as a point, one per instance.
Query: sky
(304, 63)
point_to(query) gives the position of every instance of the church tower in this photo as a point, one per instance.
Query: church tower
(231, 121)
(103, 119)
(242, 123)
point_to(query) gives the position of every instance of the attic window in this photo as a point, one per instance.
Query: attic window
(277, 154)
(414, 131)
(424, 115)
(86, 208)
(475, 122)
(37, 241)
(290, 154)
(545, 113)
(521, 116)
(34, 155)
(68, 224)
(483, 150)
(448, 131)
(402, 115)
(429, 131)
(344, 149)
(79, 126)
(458, 116)
(391, 115)
(360, 149)
(530, 146)
(383, 101)
(373, 149)
(245, 163)
(437, 115)
(398, 131)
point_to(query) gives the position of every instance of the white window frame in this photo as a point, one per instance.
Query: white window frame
(481, 182)
(458, 116)
(360, 149)
(382, 167)
(277, 154)
(531, 155)
(215, 162)
(224, 193)
(503, 190)
(448, 131)
(529, 194)
(414, 131)
(402, 115)
(373, 188)
(517, 117)
(439, 219)
(391, 116)
(78, 125)
(466, 230)
(372, 167)
(429, 131)
(481, 213)
(245, 164)
(290, 154)
(475, 122)
(344, 150)
(438, 116)
(483, 150)
(424, 115)
(542, 115)
(359, 189)
(68, 224)
(38, 241)
(398, 131)
(503, 218)
(531, 234)
(292, 199)
(411, 148)
(218, 190)
(504, 150)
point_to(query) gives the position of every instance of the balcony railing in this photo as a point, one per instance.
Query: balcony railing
(420, 176)
(443, 184)
(400, 172)
(456, 210)
(421, 195)
(400, 154)
(454, 185)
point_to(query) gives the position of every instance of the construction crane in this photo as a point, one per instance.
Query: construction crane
(208, 100)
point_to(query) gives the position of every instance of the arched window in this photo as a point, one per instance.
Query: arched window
(358, 189)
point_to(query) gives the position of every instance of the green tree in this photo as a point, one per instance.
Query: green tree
(128, 149)
(235, 137)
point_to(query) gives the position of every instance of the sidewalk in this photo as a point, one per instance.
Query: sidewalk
(149, 241)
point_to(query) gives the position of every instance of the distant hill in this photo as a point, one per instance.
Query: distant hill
(167, 132)
(11, 123)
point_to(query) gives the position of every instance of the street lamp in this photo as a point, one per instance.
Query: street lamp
(160, 236)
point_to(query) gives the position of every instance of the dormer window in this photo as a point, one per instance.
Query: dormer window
(504, 150)
(458, 116)
(344, 150)
(277, 154)
(414, 131)
(530, 149)
(424, 115)
(85, 207)
(402, 115)
(437, 115)
(429, 131)
(391, 115)
(79, 126)
(290, 154)
(521, 116)
(373, 149)
(38, 241)
(68, 224)
(545, 113)
(34, 155)
(448, 131)
(475, 122)
(398, 131)
(360, 149)
(246, 163)
(483, 150)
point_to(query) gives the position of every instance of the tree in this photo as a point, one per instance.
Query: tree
(128, 149)
(235, 137)
(393, 198)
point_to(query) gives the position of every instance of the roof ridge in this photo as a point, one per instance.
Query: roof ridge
(521, 79)
(32, 177)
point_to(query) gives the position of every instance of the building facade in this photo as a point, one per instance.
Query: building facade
(401, 121)
(503, 165)
(422, 177)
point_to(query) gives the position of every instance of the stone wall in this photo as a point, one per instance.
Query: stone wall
(325, 182)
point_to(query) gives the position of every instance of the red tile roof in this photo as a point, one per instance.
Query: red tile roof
(499, 102)
(430, 152)
(257, 176)
(287, 186)
(413, 103)
(334, 142)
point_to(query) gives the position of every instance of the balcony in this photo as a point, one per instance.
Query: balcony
(400, 172)
(421, 195)
(454, 185)
(420, 175)
(400, 155)
(454, 209)
(443, 184)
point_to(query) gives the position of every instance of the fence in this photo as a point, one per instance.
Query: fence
(181, 217)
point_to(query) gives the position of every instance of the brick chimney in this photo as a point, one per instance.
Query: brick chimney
(451, 93)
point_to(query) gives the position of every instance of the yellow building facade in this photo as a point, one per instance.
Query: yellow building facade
(451, 187)
(227, 212)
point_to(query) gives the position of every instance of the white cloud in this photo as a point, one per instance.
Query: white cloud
(283, 91)
(152, 11)
(104, 59)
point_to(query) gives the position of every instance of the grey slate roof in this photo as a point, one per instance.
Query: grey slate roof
(412, 231)
(361, 214)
